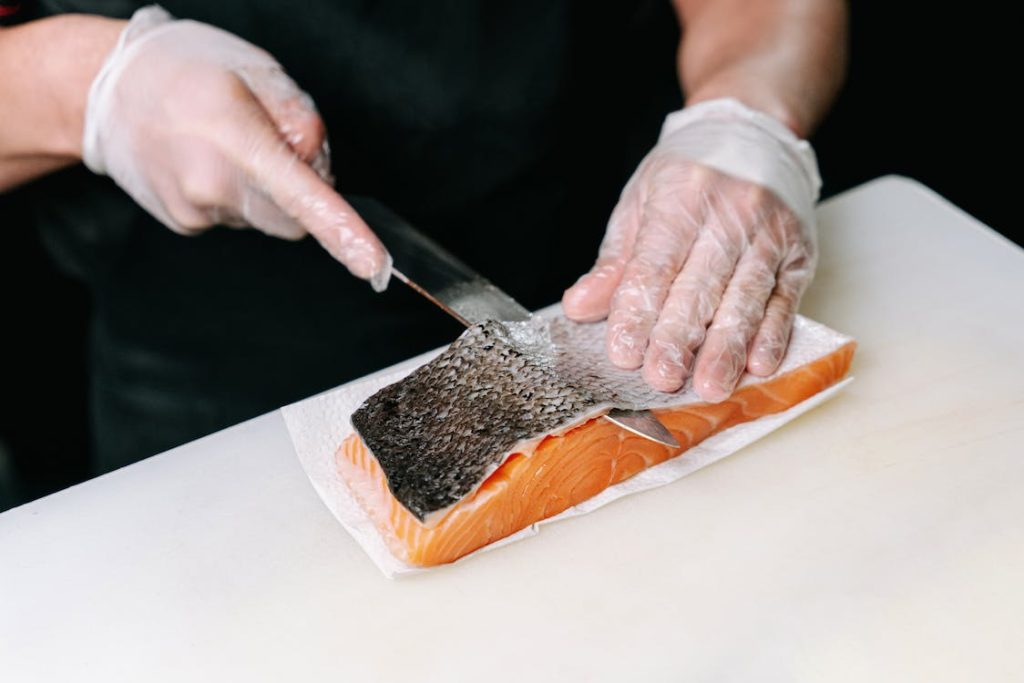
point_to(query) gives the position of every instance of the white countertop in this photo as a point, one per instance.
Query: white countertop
(879, 537)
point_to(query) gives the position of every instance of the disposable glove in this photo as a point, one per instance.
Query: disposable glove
(708, 251)
(202, 128)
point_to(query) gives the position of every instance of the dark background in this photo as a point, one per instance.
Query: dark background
(926, 97)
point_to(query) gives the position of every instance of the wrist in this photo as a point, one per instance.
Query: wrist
(101, 94)
(85, 42)
(727, 135)
(767, 102)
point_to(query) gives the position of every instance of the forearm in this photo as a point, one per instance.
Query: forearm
(784, 57)
(48, 66)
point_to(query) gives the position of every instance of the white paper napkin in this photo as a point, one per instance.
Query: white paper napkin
(319, 424)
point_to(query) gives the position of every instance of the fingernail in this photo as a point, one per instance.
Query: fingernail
(626, 343)
(571, 297)
(712, 392)
(579, 305)
(379, 280)
(765, 359)
(624, 351)
(366, 260)
(666, 376)
(667, 368)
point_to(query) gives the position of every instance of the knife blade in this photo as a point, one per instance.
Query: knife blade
(434, 272)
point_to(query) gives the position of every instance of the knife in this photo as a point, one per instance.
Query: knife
(470, 298)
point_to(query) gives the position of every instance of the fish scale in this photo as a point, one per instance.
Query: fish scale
(441, 431)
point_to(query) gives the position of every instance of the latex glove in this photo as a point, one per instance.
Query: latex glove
(202, 128)
(707, 253)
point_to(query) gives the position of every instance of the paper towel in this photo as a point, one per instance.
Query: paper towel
(319, 424)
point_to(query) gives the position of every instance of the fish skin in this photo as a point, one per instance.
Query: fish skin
(442, 430)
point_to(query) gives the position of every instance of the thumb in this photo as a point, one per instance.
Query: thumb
(589, 300)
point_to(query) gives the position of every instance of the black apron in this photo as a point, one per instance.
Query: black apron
(505, 130)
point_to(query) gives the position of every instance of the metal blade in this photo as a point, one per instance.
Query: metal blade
(642, 423)
(434, 272)
(429, 269)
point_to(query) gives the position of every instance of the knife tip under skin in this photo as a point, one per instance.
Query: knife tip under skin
(643, 423)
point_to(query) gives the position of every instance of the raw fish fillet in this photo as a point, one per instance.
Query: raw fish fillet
(503, 430)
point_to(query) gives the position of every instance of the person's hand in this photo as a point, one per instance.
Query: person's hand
(202, 128)
(700, 272)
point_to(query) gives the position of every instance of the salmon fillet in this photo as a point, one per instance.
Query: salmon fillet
(556, 472)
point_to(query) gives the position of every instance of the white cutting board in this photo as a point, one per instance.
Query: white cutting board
(879, 537)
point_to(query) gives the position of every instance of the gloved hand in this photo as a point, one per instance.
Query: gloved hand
(202, 128)
(708, 251)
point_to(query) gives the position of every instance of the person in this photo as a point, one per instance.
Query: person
(505, 130)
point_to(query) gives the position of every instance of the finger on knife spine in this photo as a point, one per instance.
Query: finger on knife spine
(302, 194)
